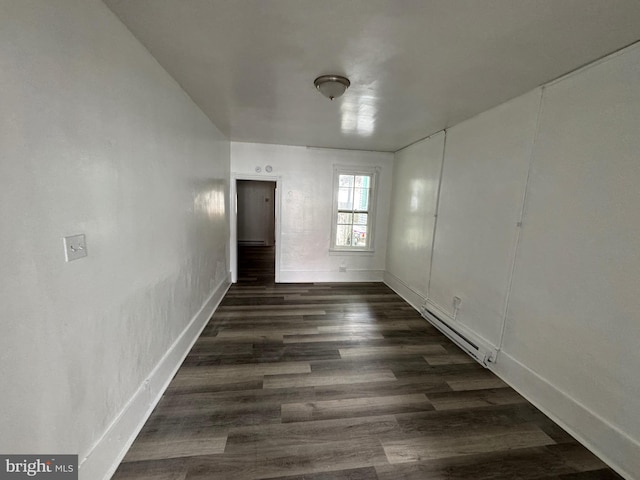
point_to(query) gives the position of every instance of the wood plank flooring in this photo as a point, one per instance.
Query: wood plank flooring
(341, 381)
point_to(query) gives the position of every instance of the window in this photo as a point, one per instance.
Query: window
(354, 202)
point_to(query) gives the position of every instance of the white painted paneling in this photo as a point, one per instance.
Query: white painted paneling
(483, 181)
(416, 178)
(574, 314)
(96, 138)
(306, 184)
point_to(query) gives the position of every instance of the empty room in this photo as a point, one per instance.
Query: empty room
(303, 239)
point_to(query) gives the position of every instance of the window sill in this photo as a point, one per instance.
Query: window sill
(345, 251)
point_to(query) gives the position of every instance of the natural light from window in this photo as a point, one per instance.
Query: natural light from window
(353, 207)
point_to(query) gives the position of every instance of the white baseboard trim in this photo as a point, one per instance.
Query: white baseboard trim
(409, 295)
(418, 301)
(439, 311)
(310, 276)
(488, 349)
(606, 441)
(609, 443)
(104, 458)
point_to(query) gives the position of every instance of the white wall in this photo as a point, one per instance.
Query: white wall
(306, 183)
(416, 180)
(573, 310)
(96, 138)
(574, 315)
(256, 212)
(483, 181)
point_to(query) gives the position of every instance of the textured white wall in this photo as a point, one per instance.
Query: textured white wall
(96, 138)
(306, 183)
(483, 181)
(416, 179)
(573, 312)
(256, 212)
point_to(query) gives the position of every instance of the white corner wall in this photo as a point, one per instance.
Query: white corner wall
(416, 180)
(483, 182)
(305, 180)
(567, 156)
(573, 325)
(96, 138)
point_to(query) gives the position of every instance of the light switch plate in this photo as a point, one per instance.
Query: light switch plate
(75, 247)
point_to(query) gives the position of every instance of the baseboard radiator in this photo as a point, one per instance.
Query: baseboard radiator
(480, 353)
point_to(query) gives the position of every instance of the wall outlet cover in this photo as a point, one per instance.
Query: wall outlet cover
(75, 247)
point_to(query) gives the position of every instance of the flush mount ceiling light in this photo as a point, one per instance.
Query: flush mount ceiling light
(331, 86)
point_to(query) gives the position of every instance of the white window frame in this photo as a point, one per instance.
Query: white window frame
(371, 212)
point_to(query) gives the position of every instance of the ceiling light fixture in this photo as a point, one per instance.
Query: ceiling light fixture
(331, 86)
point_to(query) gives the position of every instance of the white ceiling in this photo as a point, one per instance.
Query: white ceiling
(416, 66)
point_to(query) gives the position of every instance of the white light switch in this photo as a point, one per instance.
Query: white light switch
(75, 247)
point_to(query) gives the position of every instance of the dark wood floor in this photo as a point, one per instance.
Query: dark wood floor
(256, 265)
(341, 381)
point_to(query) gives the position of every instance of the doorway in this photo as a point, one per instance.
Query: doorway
(255, 243)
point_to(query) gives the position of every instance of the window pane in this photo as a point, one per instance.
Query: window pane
(362, 181)
(352, 215)
(343, 236)
(360, 235)
(345, 218)
(361, 199)
(345, 181)
(360, 218)
(345, 198)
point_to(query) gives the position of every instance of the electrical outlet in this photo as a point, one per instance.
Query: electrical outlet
(75, 247)
(342, 268)
(456, 302)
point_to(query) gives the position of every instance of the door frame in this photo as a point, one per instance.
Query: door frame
(233, 217)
